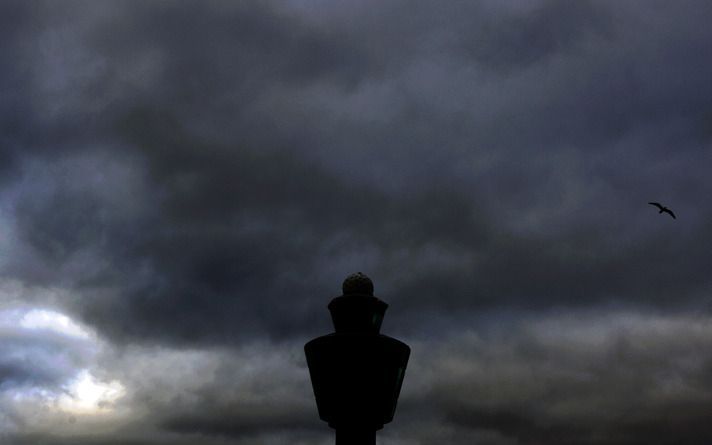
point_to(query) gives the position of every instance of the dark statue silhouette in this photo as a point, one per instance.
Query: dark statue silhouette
(356, 372)
(663, 209)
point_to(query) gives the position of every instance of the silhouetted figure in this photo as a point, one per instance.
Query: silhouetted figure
(663, 209)
(356, 372)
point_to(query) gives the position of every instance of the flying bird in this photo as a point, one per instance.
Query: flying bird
(662, 209)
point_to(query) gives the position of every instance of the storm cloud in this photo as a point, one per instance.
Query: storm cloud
(188, 183)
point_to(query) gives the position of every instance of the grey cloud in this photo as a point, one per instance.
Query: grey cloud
(258, 391)
(599, 377)
(513, 40)
(205, 175)
(612, 377)
(41, 355)
(248, 181)
(37, 362)
(40, 358)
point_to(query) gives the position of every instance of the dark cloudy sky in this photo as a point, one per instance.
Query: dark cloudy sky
(184, 185)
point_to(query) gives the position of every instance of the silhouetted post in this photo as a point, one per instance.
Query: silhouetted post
(356, 372)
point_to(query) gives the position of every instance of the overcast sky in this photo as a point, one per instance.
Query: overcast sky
(185, 185)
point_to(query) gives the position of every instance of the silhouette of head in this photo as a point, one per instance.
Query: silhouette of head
(357, 284)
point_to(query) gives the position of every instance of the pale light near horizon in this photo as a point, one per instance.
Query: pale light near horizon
(82, 394)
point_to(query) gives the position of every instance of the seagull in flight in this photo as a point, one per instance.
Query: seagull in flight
(662, 209)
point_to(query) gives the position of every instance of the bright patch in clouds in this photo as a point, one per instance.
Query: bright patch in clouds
(53, 321)
(60, 355)
(87, 395)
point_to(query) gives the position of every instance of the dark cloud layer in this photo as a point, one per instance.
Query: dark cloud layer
(201, 175)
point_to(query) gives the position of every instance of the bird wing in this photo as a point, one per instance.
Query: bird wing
(670, 212)
(656, 204)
